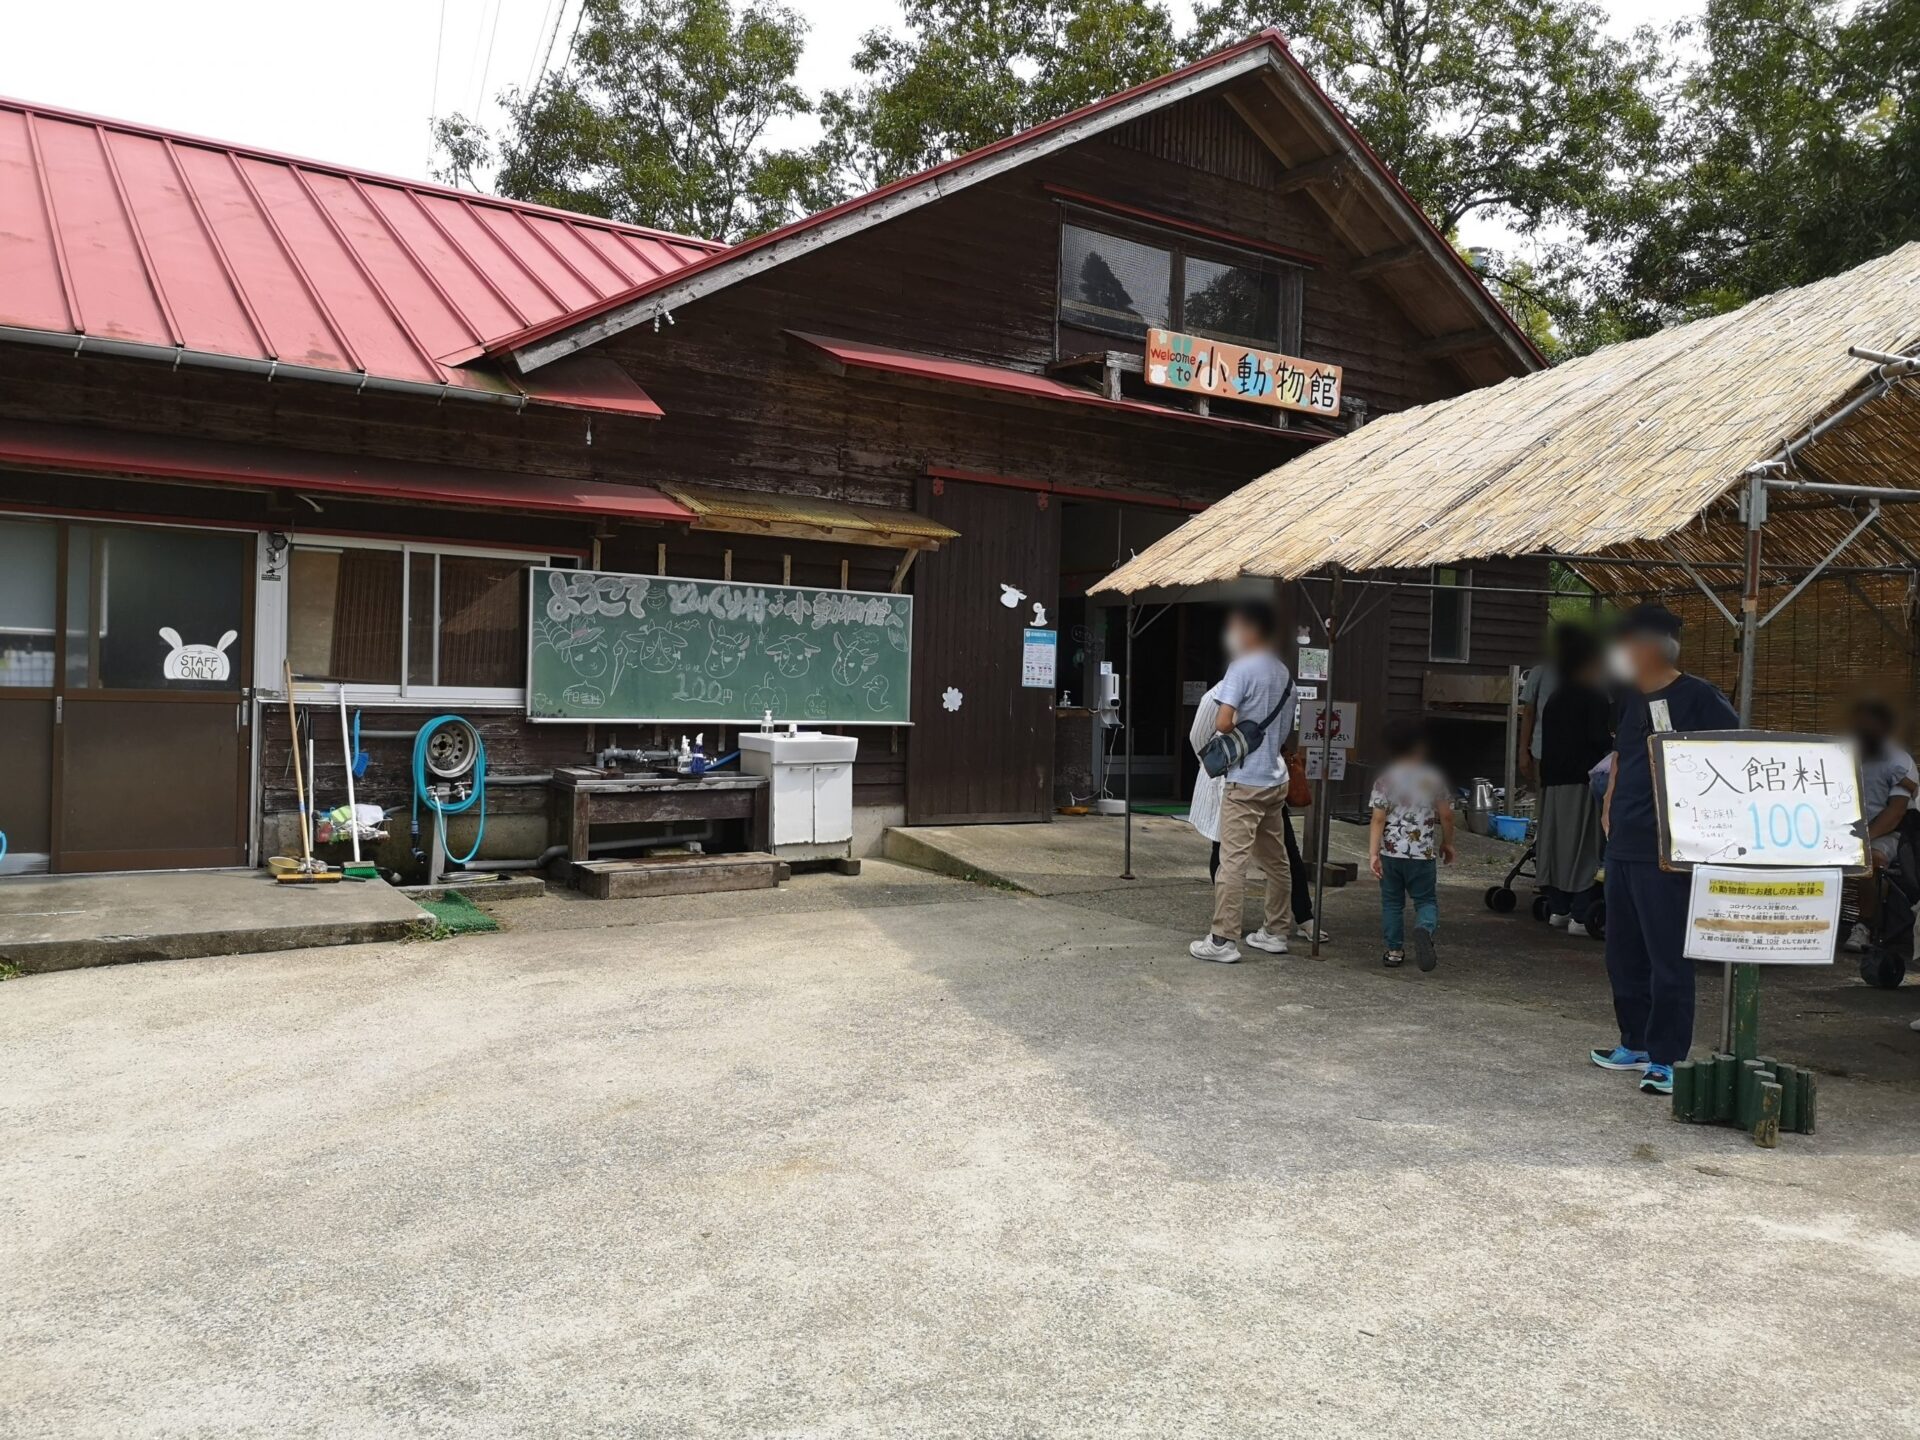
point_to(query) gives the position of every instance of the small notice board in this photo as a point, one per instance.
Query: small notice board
(1763, 917)
(1758, 798)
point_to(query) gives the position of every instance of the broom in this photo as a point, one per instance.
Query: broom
(357, 869)
(309, 871)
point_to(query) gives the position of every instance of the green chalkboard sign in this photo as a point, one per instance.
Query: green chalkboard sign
(651, 647)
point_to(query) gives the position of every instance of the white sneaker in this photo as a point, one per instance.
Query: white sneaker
(1857, 938)
(1559, 922)
(1207, 948)
(1265, 939)
(1305, 931)
(1574, 927)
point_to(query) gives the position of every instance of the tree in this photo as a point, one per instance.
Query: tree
(1794, 154)
(658, 118)
(1525, 110)
(968, 72)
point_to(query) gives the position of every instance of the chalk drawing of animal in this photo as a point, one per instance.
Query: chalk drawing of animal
(897, 627)
(857, 657)
(658, 648)
(728, 649)
(876, 692)
(196, 662)
(792, 654)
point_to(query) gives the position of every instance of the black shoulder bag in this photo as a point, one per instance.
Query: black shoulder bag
(1231, 747)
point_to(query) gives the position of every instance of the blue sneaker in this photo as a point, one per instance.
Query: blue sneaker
(1658, 1080)
(1619, 1058)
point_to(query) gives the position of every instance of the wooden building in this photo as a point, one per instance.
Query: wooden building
(259, 411)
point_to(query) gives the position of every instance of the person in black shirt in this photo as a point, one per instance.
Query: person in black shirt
(1576, 735)
(1646, 906)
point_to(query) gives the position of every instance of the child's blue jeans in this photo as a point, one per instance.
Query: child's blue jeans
(1402, 880)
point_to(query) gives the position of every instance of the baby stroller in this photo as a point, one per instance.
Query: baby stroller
(1889, 948)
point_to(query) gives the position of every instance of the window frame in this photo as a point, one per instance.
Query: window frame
(406, 694)
(1179, 247)
(1464, 588)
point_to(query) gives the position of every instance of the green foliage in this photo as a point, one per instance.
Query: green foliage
(1522, 109)
(965, 73)
(1793, 154)
(660, 119)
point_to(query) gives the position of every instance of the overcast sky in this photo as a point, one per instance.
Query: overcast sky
(354, 81)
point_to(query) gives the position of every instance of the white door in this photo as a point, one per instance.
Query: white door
(832, 803)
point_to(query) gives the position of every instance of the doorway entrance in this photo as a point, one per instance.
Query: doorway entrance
(124, 653)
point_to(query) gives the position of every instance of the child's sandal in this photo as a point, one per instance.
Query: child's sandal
(1394, 958)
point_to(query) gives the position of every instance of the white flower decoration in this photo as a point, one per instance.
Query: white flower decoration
(951, 700)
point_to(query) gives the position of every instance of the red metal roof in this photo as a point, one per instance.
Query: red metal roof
(129, 238)
(917, 366)
(88, 450)
(1272, 39)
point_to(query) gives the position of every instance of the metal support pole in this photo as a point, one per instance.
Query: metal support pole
(1126, 719)
(1746, 987)
(1513, 740)
(1322, 820)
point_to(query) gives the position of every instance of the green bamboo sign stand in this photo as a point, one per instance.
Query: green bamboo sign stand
(1758, 1093)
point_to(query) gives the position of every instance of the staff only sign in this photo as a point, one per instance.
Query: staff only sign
(1755, 798)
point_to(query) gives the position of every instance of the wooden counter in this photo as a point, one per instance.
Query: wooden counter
(583, 797)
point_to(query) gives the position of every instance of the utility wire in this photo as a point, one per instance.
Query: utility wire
(433, 106)
(480, 100)
(552, 34)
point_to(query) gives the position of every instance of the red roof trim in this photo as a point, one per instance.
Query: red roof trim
(1023, 383)
(1186, 227)
(88, 450)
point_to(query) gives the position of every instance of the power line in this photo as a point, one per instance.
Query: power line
(551, 35)
(480, 100)
(433, 106)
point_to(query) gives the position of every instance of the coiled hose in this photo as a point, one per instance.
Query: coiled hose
(422, 787)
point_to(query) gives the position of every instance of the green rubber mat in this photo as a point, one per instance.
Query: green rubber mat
(1163, 807)
(457, 915)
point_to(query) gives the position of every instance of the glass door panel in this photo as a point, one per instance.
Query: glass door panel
(29, 626)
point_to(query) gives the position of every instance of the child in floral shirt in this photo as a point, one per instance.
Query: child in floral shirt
(1412, 831)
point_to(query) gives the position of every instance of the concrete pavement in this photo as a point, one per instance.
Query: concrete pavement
(897, 1155)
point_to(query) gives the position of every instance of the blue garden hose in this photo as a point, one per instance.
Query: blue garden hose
(421, 786)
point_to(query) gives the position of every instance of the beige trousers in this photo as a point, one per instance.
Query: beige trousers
(1251, 827)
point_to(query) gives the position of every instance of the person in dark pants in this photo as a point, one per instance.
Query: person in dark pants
(1651, 976)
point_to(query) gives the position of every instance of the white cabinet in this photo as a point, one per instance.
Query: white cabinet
(810, 791)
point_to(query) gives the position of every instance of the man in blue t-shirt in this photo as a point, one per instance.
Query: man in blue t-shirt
(1257, 688)
(1646, 906)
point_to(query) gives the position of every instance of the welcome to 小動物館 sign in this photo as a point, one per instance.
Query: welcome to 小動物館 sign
(1234, 372)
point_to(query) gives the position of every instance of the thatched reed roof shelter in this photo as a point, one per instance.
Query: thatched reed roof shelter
(1630, 464)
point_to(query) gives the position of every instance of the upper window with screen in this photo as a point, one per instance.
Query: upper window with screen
(1123, 285)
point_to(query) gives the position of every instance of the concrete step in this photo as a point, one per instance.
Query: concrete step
(70, 922)
(678, 875)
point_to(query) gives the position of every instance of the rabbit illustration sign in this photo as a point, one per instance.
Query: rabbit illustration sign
(658, 649)
(200, 663)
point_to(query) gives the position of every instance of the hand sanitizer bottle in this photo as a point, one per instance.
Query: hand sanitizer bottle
(699, 763)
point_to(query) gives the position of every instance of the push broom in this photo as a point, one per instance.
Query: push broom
(357, 869)
(309, 871)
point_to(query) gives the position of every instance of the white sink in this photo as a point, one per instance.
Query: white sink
(806, 748)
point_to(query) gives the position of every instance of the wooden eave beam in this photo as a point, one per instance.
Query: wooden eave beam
(1383, 260)
(1326, 170)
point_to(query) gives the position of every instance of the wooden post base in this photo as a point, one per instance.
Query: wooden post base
(1762, 1096)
